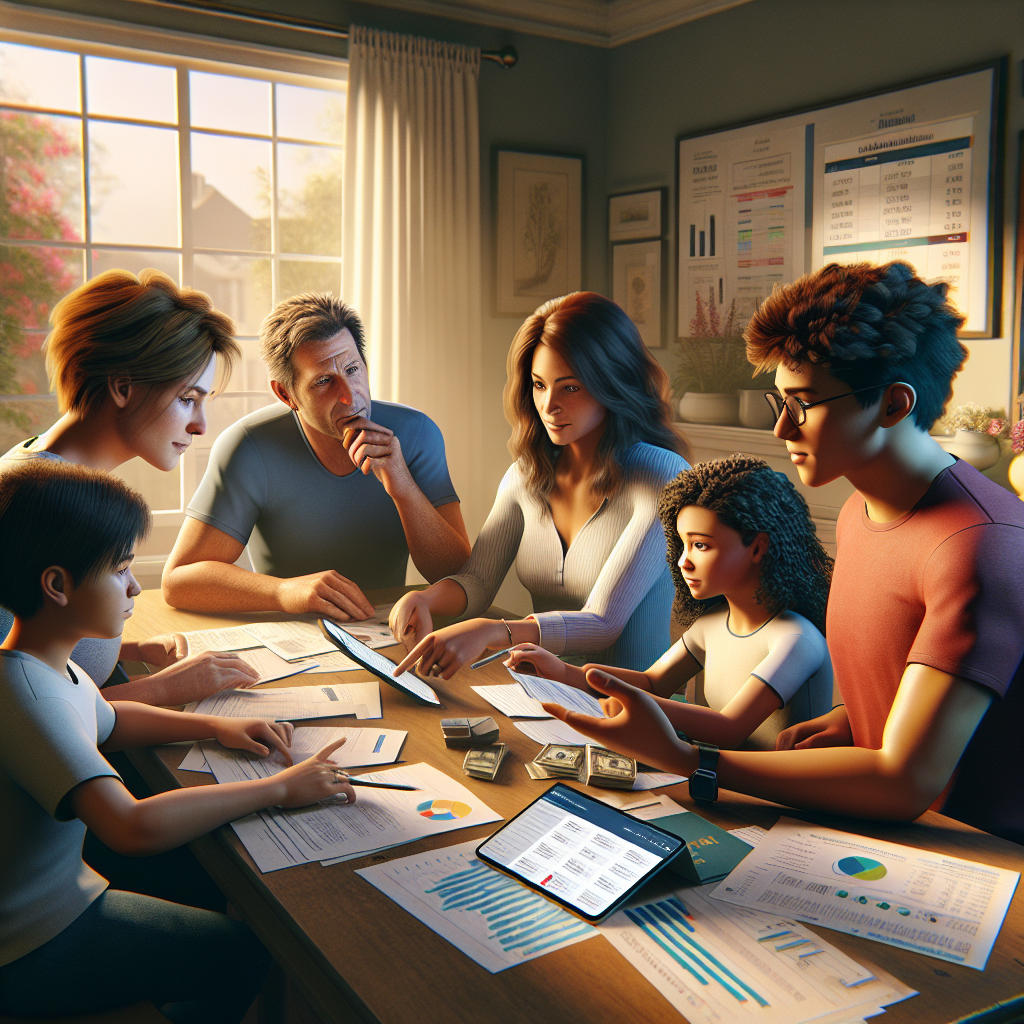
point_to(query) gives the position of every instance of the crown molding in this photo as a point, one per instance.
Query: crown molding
(603, 23)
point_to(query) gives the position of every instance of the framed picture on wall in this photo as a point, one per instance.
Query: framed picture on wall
(636, 287)
(913, 173)
(539, 230)
(636, 215)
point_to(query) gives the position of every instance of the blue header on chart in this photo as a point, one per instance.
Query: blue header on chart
(611, 820)
(892, 155)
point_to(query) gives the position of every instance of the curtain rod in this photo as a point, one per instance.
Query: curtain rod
(506, 57)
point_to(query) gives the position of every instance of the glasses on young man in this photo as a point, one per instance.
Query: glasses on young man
(796, 408)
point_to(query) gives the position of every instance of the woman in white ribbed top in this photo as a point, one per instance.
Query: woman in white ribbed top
(577, 512)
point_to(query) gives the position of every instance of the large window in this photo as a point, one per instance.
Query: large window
(225, 177)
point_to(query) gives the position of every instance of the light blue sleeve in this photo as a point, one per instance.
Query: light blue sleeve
(426, 460)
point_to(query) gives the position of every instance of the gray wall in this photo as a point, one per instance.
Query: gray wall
(770, 57)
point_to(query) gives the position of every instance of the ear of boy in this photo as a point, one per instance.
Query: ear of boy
(56, 582)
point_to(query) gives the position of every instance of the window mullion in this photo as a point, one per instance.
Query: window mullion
(86, 187)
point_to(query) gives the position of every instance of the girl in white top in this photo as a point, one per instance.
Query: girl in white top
(751, 583)
(593, 444)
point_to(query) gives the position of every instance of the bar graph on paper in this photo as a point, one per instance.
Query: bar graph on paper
(490, 917)
(713, 965)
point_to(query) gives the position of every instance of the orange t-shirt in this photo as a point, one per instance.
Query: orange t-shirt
(941, 586)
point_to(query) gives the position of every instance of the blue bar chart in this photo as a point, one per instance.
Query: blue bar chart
(487, 915)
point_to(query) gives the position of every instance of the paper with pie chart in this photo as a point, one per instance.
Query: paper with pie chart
(927, 902)
(380, 818)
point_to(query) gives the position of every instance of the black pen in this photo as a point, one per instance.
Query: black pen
(357, 781)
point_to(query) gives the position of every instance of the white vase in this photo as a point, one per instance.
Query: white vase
(755, 412)
(980, 450)
(721, 409)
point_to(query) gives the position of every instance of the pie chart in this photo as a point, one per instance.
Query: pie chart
(864, 868)
(444, 810)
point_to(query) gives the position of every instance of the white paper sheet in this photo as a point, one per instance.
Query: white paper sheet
(714, 962)
(931, 903)
(279, 839)
(375, 631)
(291, 640)
(750, 834)
(293, 703)
(232, 638)
(362, 748)
(333, 662)
(655, 780)
(492, 918)
(553, 730)
(552, 692)
(269, 666)
(511, 700)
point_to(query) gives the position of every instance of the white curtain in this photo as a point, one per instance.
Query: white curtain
(412, 231)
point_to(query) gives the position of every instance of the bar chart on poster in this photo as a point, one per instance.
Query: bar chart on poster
(906, 174)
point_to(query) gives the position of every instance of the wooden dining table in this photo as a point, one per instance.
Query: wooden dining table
(355, 955)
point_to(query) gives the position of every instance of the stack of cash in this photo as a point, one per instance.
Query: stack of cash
(606, 768)
(560, 761)
(484, 763)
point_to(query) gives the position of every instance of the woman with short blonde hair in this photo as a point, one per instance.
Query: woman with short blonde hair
(132, 361)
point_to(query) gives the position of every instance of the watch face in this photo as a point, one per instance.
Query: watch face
(704, 786)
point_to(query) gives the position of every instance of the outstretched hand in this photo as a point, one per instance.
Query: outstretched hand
(410, 620)
(638, 729)
(316, 778)
(830, 730)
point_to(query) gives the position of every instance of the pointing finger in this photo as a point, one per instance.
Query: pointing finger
(324, 753)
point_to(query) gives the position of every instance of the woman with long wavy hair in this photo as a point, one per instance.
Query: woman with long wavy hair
(752, 582)
(593, 444)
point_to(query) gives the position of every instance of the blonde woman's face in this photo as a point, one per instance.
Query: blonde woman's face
(567, 410)
(163, 439)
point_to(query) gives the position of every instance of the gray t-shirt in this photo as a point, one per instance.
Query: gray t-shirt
(788, 654)
(51, 727)
(97, 655)
(265, 487)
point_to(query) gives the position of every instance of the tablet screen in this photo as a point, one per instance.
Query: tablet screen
(579, 852)
(377, 663)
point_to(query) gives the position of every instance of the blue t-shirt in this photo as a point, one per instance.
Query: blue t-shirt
(265, 487)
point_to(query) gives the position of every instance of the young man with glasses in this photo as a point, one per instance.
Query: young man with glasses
(925, 618)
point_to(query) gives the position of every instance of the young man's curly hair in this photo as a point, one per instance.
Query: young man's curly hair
(750, 497)
(870, 325)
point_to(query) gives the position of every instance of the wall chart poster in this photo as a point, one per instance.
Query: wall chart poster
(910, 174)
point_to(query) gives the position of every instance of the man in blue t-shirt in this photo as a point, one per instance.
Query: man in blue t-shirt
(331, 492)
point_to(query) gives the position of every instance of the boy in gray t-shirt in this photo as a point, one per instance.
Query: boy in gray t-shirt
(66, 540)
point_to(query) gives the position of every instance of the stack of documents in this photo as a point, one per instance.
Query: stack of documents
(285, 704)
(330, 831)
(522, 699)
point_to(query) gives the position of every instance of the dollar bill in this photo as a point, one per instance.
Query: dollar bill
(484, 763)
(536, 772)
(565, 761)
(606, 768)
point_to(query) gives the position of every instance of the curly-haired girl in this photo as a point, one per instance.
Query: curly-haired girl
(751, 581)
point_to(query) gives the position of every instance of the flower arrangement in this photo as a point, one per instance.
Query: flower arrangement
(976, 418)
(713, 358)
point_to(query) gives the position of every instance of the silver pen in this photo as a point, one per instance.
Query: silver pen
(490, 658)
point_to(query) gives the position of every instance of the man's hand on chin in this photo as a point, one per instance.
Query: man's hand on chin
(373, 448)
(326, 594)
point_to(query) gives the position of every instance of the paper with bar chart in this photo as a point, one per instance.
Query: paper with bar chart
(491, 918)
(714, 962)
(931, 903)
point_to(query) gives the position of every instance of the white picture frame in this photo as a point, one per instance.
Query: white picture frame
(636, 215)
(539, 230)
(637, 287)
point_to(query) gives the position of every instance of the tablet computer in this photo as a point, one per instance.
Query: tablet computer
(585, 856)
(377, 663)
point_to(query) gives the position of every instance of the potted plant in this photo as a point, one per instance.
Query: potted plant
(1015, 473)
(712, 372)
(976, 432)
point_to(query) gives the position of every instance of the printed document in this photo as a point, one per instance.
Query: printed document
(291, 640)
(291, 703)
(551, 692)
(490, 917)
(231, 638)
(931, 903)
(270, 667)
(279, 839)
(715, 962)
(512, 700)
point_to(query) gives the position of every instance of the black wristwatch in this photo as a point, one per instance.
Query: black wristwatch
(704, 781)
